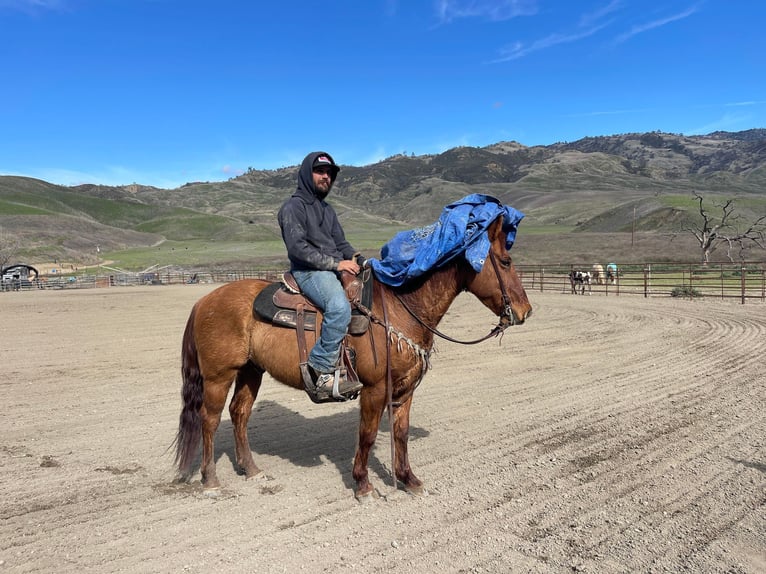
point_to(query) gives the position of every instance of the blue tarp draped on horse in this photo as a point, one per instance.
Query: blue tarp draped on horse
(461, 229)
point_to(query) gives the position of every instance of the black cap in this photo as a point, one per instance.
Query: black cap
(326, 159)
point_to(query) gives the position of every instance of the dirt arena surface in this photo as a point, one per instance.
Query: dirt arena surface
(608, 434)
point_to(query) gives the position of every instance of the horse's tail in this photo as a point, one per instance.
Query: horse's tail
(189, 424)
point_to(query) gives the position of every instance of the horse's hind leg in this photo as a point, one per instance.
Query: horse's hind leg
(215, 393)
(245, 392)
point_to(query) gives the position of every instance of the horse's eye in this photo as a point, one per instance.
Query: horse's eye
(505, 262)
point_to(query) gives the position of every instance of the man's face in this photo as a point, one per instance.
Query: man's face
(322, 179)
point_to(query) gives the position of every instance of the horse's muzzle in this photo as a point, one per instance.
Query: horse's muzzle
(511, 317)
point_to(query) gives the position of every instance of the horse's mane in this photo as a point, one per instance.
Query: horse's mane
(443, 280)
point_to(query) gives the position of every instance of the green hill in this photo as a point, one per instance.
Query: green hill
(586, 199)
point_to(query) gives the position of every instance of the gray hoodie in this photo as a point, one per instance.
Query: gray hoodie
(310, 228)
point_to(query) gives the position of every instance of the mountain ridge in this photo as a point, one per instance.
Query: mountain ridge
(602, 184)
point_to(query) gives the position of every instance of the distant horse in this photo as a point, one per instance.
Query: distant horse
(225, 342)
(597, 271)
(578, 280)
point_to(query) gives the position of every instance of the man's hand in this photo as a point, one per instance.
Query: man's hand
(348, 265)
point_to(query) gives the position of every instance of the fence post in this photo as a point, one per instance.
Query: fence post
(691, 286)
(542, 279)
(722, 291)
(646, 281)
(742, 282)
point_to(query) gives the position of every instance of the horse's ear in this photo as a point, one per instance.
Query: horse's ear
(495, 229)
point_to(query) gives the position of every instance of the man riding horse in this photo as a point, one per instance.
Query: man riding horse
(318, 253)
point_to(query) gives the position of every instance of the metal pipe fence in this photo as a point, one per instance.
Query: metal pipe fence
(86, 280)
(743, 282)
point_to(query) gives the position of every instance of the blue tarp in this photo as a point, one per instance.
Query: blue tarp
(460, 230)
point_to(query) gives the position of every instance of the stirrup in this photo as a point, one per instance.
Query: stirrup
(326, 393)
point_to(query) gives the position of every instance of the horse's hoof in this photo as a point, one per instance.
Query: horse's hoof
(211, 492)
(253, 476)
(416, 490)
(365, 496)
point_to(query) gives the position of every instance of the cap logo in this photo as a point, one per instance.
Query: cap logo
(323, 159)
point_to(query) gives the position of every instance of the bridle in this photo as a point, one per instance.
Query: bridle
(498, 329)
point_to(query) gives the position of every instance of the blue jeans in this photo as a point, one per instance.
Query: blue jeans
(326, 292)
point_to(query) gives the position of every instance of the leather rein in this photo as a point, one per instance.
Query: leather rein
(496, 330)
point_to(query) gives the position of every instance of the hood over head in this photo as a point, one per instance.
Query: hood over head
(305, 176)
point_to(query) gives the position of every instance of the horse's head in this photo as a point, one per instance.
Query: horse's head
(497, 285)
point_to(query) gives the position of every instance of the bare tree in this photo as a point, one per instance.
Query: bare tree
(9, 247)
(726, 228)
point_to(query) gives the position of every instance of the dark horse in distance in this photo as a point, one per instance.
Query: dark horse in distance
(224, 343)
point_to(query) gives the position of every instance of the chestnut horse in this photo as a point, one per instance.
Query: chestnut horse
(224, 343)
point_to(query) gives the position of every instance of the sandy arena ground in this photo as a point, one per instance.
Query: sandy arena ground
(608, 434)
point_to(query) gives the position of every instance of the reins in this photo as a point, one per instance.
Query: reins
(496, 330)
(390, 392)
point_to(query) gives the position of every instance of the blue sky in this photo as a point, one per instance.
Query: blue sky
(163, 92)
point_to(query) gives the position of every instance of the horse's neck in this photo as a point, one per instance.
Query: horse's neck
(432, 298)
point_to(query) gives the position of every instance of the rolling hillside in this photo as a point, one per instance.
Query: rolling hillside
(574, 194)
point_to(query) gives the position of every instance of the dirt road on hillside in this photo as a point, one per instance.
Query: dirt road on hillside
(608, 434)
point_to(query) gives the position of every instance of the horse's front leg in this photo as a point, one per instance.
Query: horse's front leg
(373, 400)
(401, 430)
(245, 391)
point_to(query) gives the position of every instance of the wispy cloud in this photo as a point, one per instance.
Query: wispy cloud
(590, 23)
(641, 28)
(493, 10)
(453, 141)
(108, 175)
(743, 104)
(32, 5)
(230, 171)
(519, 50)
(369, 157)
(382, 151)
(589, 18)
(727, 122)
(607, 113)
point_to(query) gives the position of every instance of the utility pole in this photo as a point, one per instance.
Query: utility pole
(633, 231)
